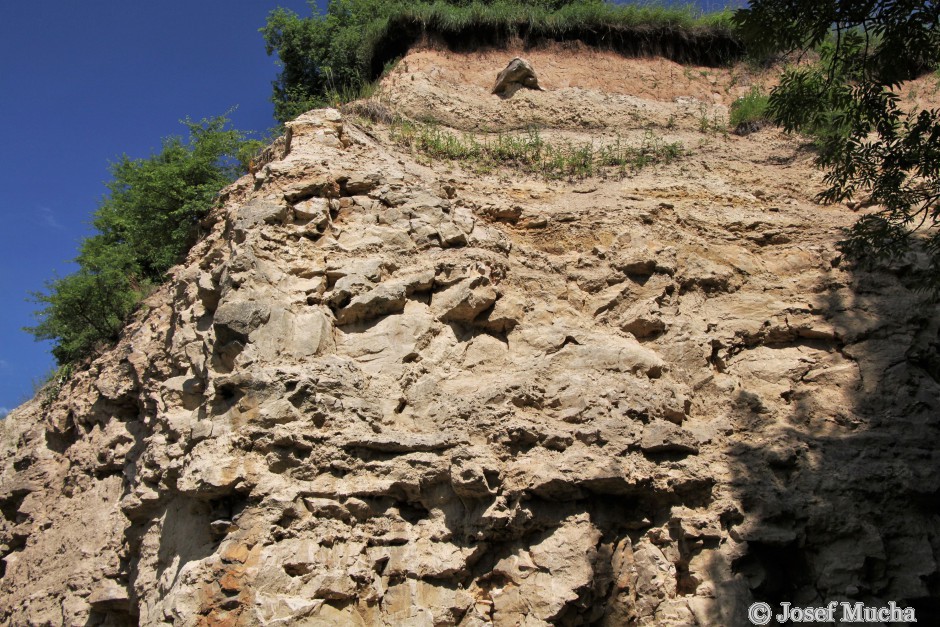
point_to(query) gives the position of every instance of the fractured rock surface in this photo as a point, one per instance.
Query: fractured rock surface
(382, 393)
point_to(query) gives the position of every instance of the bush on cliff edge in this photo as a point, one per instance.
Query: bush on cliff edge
(144, 226)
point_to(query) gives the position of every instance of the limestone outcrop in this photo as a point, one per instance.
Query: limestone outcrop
(384, 391)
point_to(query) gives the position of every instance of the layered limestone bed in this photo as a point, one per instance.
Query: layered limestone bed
(384, 390)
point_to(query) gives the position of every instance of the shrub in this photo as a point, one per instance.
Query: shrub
(749, 113)
(144, 226)
(48, 389)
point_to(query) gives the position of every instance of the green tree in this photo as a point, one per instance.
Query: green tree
(871, 147)
(155, 204)
(145, 224)
(83, 310)
(319, 55)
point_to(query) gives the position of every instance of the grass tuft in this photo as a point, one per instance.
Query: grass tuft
(749, 113)
(529, 152)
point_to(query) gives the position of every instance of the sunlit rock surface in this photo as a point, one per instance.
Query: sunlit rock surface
(389, 391)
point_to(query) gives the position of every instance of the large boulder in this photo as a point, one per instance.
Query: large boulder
(518, 74)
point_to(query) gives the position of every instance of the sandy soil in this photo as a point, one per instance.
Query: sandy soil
(577, 66)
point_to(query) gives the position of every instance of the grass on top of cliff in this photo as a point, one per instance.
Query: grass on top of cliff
(531, 153)
(553, 18)
(323, 57)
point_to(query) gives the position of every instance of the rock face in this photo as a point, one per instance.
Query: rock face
(386, 393)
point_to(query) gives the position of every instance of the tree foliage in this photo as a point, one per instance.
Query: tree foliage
(143, 226)
(870, 145)
(155, 204)
(315, 54)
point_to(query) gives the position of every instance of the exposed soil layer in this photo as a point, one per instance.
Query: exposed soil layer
(700, 45)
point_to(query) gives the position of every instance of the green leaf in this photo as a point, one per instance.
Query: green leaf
(144, 226)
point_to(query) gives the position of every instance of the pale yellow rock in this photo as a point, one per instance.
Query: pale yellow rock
(388, 391)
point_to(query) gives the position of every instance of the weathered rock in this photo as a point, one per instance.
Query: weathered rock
(400, 442)
(382, 300)
(517, 74)
(464, 301)
(235, 320)
(665, 437)
(109, 595)
(387, 298)
(315, 211)
(361, 183)
(386, 392)
(260, 211)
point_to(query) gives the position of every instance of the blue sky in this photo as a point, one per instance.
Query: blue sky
(82, 83)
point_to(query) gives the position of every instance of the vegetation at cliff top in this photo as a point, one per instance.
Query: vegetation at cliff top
(144, 226)
(324, 57)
